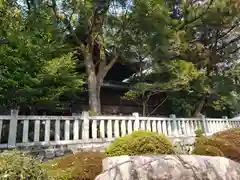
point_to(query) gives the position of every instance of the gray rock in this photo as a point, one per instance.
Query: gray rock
(49, 153)
(40, 156)
(59, 152)
(169, 167)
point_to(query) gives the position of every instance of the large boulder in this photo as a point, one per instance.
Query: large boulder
(169, 167)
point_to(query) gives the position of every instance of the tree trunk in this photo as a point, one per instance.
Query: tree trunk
(96, 77)
(199, 106)
(94, 93)
(94, 100)
(144, 109)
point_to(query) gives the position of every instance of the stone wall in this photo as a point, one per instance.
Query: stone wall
(45, 153)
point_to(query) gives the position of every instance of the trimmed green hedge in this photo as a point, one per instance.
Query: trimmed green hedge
(140, 143)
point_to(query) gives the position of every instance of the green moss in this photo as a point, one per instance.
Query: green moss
(82, 165)
(207, 150)
(228, 149)
(140, 143)
(230, 135)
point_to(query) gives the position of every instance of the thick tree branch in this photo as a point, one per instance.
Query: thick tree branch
(199, 106)
(104, 67)
(54, 7)
(231, 29)
(150, 95)
(28, 5)
(158, 106)
(235, 51)
(230, 42)
(112, 61)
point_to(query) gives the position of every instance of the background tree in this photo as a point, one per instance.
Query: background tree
(173, 76)
(35, 63)
(212, 43)
(107, 31)
(87, 25)
(207, 35)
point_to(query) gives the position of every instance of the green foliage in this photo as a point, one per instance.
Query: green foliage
(35, 64)
(144, 40)
(173, 76)
(228, 149)
(199, 133)
(58, 77)
(181, 74)
(16, 165)
(187, 47)
(228, 86)
(207, 35)
(181, 103)
(207, 150)
(234, 100)
(209, 38)
(140, 143)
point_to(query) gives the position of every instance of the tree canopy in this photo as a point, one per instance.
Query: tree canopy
(187, 51)
(204, 36)
(36, 64)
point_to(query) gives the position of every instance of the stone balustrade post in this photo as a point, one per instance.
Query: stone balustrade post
(205, 125)
(174, 125)
(85, 127)
(13, 129)
(227, 125)
(137, 122)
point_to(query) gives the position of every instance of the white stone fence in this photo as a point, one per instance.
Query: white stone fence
(27, 131)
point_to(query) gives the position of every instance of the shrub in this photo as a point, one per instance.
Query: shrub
(81, 165)
(140, 143)
(199, 133)
(16, 165)
(207, 150)
(230, 135)
(228, 149)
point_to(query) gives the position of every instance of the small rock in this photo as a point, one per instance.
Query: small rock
(49, 153)
(40, 156)
(64, 147)
(59, 152)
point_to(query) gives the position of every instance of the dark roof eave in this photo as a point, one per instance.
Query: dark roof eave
(114, 85)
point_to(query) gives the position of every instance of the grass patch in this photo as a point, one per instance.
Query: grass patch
(82, 165)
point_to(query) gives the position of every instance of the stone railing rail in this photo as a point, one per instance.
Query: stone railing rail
(27, 131)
